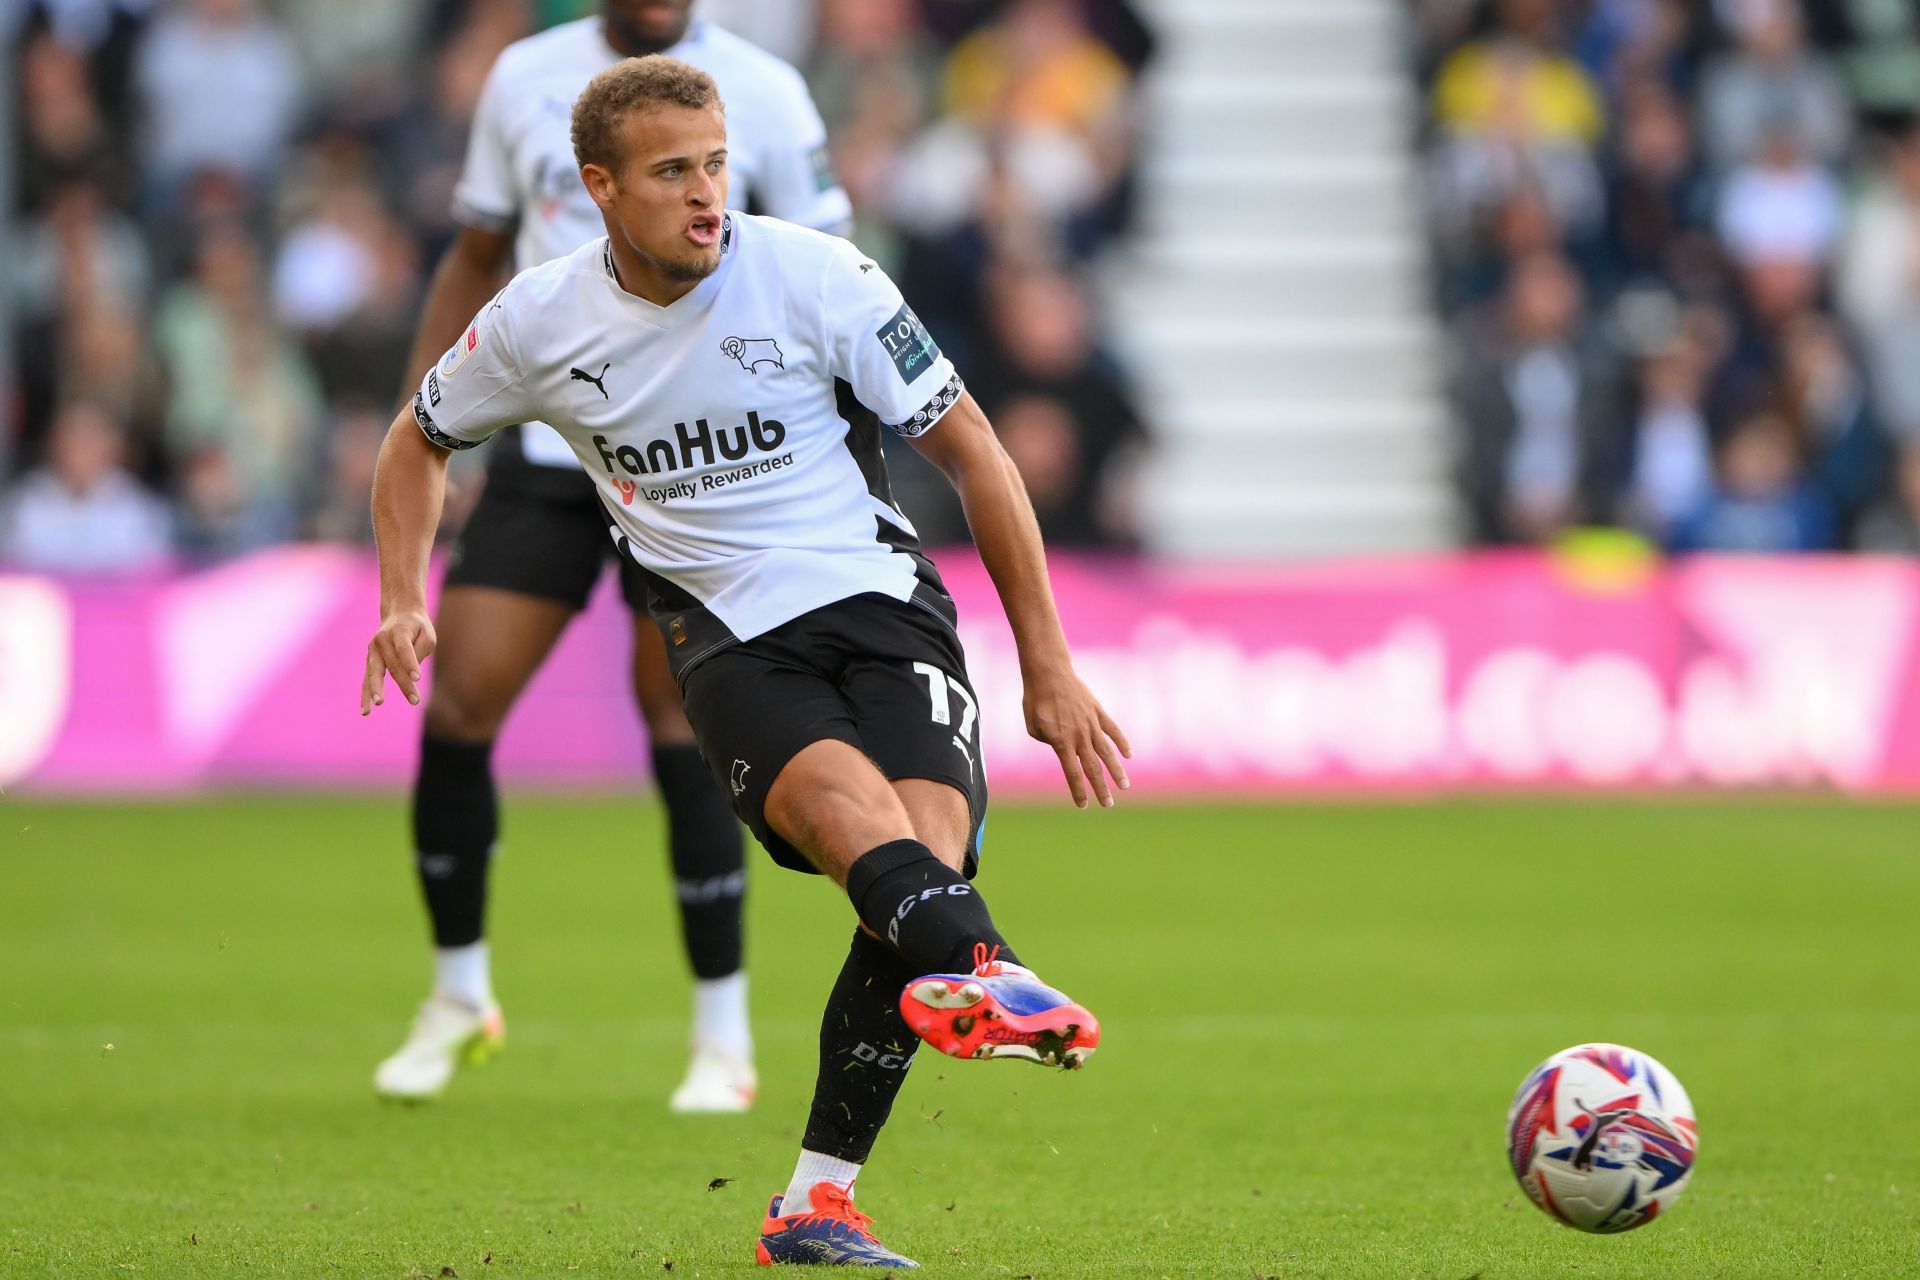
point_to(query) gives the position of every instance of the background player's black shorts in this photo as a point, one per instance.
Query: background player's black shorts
(886, 676)
(545, 544)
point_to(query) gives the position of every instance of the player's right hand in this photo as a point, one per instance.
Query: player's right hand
(405, 639)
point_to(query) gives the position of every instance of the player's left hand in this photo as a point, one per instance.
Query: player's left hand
(404, 640)
(1063, 713)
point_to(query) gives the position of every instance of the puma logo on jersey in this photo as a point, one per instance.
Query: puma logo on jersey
(581, 375)
(754, 352)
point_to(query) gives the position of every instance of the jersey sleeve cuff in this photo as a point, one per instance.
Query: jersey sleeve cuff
(468, 214)
(928, 414)
(432, 431)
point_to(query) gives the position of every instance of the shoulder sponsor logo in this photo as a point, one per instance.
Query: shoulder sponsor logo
(823, 177)
(457, 354)
(433, 387)
(751, 353)
(908, 344)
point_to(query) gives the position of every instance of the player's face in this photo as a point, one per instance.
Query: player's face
(645, 26)
(667, 200)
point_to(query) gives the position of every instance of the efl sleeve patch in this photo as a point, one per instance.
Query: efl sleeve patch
(909, 344)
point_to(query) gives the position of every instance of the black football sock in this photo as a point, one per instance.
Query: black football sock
(865, 1050)
(924, 909)
(456, 819)
(709, 860)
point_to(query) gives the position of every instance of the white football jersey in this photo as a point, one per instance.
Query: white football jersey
(734, 435)
(520, 173)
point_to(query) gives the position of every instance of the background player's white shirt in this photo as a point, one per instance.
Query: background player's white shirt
(520, 171)
(733, 434)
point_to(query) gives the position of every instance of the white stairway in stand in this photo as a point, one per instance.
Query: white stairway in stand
(1272, 304)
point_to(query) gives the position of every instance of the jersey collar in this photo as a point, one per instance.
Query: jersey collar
(673, 313)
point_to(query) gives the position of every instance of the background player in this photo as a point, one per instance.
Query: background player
(536, 543)
(814, 641)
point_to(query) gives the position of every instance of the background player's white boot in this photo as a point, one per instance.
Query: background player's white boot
(718, 1080)
(445, 1034)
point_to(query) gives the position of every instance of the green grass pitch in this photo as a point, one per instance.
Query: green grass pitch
(1314, 1018)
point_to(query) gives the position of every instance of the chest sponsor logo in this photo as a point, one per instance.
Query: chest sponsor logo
(908, 344)
(751, 353)
(699, 445)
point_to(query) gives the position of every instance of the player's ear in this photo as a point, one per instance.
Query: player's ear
(599, 183)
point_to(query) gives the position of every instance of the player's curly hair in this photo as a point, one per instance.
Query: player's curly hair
(635, 84)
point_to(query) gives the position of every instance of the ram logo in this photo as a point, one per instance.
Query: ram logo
(754, 352)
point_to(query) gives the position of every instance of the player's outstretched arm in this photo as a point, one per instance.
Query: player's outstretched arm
(409, 483)
(1061, 711)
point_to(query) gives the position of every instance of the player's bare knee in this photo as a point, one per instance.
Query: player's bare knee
(456, 715)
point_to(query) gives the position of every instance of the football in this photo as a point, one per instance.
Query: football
(1602, 1137)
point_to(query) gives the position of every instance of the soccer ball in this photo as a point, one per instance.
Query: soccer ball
(1602, 1137)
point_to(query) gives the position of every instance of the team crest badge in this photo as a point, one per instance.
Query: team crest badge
(754, 352)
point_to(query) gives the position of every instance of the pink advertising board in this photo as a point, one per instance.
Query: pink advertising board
(1489, 671)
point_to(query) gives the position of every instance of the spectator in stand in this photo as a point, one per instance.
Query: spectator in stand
(65, 137)
(244, 405)
(1515, 111)
(1879, 281)
(80, 283)
(873, 79)
(1038, 137)
(221, 90)
(1832, 410)
(1658, 197)
(426, 146)
(83, 512)
(1893, 526)
(1771, 83)
(1781, 209)
(1672, 450)
(1762, 500)
(1061, 408)
(1625, 44)
(347, 282)
(1540, 404)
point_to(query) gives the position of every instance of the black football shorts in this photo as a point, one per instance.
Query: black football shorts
(548, 544)
(883, 675)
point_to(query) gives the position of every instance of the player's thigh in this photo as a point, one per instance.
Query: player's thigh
(522, 567)
(832, 804)
(490, 643)
(754, 712)
(654, 687)
(915, 710)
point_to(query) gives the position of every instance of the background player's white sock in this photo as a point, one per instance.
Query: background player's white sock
(720, 1013)
(814, 1167)
(463, 974)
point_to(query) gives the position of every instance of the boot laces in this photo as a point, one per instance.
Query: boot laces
(984, 963)
(836, 1206)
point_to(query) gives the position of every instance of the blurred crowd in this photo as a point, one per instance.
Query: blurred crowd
(1678, 244)
(224, 213)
